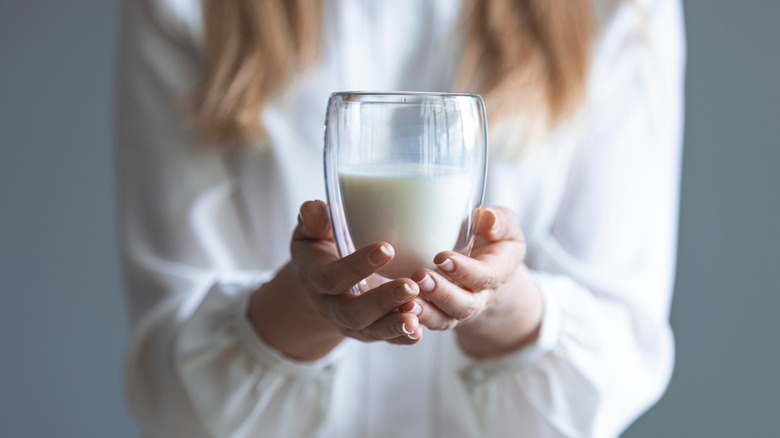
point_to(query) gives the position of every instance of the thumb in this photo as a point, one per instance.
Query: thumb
(314, 221)
(498, 223)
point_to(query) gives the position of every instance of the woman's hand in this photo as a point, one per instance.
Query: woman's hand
(489, 298)
(327, 280)
(308, 308)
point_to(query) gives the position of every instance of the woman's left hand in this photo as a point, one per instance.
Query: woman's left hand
(489, 298)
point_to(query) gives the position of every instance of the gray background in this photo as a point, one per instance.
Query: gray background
(62, 321)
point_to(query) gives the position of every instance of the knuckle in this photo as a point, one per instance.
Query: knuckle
(357, 270)
(466, 312)
(380, 307)
(460, 275)
(484, 283)
(445, 297)
(353, 264)
(350, 318)
(327, 280)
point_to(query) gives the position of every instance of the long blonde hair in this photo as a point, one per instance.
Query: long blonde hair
(538, 49)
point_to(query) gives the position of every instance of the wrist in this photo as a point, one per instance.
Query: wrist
(511, 322)
(285, 318)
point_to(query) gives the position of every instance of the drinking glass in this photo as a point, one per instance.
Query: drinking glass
(407, 169)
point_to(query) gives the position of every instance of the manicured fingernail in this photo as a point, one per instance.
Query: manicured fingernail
(381, 255)
(404, 292)
(494, 227)
(403, 329)
(409, 334)
(446, 265)
(426, 284)
(417, 309)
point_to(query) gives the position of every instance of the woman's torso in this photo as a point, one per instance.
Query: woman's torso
(378, 389)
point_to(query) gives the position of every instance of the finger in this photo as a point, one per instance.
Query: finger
(498, 223)
(317, 260)
(454, 301)
(340, 275)
(314, 221)
(312, 248)
(405, 340)
(392, 325)
(358, 312)
(318, 264)
(433, 318)
(411, 306)
(487, 270)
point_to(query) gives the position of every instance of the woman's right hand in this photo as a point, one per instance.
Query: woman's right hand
(307, 309)
(326, 279)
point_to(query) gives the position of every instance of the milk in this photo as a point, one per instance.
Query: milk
(418, 209)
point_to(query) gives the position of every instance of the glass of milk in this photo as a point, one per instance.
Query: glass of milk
(407, 169)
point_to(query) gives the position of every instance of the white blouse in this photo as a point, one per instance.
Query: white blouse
(202, 228)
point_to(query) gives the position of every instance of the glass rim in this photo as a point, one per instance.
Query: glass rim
(359, 95)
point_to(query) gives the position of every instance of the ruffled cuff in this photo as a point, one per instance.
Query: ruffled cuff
(477, 373)
(235, 381)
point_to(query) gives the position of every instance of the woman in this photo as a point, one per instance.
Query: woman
(555, 326)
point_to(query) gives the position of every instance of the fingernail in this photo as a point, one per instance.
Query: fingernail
(409, 334)
(381, 255)
(494, 227)
(404, 292)
(446, 265)
(426, 284)
(301, 223)
(417, 309)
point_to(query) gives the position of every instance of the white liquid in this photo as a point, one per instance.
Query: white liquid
(419, 210)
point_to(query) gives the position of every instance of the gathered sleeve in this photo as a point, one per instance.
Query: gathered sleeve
(195, 366)
(606, 265)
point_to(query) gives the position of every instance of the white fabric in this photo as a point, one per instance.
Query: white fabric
(202, 228)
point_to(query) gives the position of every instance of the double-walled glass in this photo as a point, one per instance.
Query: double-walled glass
(407, 169)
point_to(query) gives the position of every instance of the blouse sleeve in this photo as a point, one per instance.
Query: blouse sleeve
(606, 266)
(195, 367)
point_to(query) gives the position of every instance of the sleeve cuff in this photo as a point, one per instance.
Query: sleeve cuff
(273, 358)
(480, 372)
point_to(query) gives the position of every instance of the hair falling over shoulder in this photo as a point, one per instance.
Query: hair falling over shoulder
(252, 49)
(521, 55)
